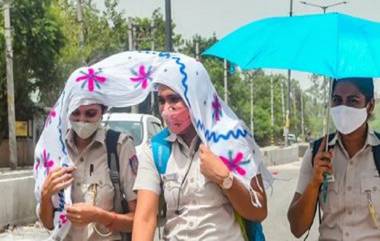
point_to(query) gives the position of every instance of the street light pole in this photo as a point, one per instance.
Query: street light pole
(287, 116)
(323, 7)
(168, 26)
(10, 86)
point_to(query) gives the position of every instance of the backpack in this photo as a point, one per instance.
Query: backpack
(120, 200)
(314, 150)
(161, 149)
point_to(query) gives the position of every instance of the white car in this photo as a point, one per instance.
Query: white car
(140, 126)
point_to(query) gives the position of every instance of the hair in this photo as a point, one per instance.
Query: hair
(364, 85)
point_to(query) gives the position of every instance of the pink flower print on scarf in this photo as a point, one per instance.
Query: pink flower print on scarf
(216, 109)
(52, 114)
(62, 219)
(46, 162)
(37, 165)
(142, 77)
(234, 163)
(92, 79)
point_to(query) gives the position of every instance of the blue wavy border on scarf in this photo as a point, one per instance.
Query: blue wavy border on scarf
(59, 127)
(214, 137)
(182, 68)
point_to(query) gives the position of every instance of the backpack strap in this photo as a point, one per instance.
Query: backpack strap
(376, 153)
(314, 150)
(161, 149)
(316, 144)
(120, 201)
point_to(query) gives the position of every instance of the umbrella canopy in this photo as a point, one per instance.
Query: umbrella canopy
(334, 45)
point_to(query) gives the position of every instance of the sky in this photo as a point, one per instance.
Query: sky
(205, 17)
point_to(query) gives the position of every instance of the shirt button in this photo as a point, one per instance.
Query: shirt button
(347, 234)
(78, 184)
(191, 224)
(191, 180)
(351, 163)
(81, 159)
(349, 188)
(350, 212)
(374, 189)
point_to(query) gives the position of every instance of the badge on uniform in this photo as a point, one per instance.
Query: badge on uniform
(134, 164)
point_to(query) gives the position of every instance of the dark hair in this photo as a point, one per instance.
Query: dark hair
(364, 85)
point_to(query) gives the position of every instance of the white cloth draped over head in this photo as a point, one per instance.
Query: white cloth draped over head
(126, 79)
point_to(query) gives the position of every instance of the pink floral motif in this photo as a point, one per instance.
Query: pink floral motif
(217, 109)
(52, 114)
(38, 161)
(92, 79)
(142, 77)
(46, 162)
(63, 218)
(234, 163)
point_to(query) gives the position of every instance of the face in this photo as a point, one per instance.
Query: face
(168, 99)
(87, 113)
(174, 111)
(348, 94)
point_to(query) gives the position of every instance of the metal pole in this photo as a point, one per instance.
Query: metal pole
(302, 118)
(197, 49)
(130, 34)
(80, 21)
(252, 127)
(131, 47)
(168, 26)
(152, 47)
(282, 100)
(10, 86)
(287, 121)
(272, 108)
(225, 82)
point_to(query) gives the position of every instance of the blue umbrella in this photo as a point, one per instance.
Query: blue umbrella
(334, 45)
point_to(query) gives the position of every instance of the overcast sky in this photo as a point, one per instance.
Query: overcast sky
(205, 17)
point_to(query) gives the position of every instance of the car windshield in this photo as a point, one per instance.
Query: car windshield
(134, 128)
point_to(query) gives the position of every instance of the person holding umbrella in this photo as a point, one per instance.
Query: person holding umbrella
(351, 201)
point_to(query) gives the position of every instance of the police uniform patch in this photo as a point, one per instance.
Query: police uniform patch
(134, 164)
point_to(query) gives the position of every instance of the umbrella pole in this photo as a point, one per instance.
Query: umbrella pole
(327, 120)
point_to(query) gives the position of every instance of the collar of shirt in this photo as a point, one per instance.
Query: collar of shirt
(187, 150)
(371, 140)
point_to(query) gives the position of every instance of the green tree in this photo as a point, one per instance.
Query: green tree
(37, 40)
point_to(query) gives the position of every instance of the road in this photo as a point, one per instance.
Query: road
(276, 226)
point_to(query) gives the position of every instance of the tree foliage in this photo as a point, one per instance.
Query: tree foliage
(47, 49)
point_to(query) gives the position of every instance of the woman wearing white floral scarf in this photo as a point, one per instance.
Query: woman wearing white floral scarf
(202, 190)
(126, 79)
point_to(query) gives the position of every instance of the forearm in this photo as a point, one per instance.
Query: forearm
(115, 221)
(240, 199)
(46, 212)
(302, 210)
(144, 228)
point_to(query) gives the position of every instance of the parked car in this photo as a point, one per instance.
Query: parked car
(140, 126)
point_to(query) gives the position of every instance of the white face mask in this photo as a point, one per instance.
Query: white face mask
(85, 129)
(348, 119)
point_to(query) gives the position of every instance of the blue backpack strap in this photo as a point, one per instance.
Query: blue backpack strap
(254, 231)
(161, 149)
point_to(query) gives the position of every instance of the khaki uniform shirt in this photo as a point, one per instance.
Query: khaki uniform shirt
(346, 215)
(205, 213)
(85, 177)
